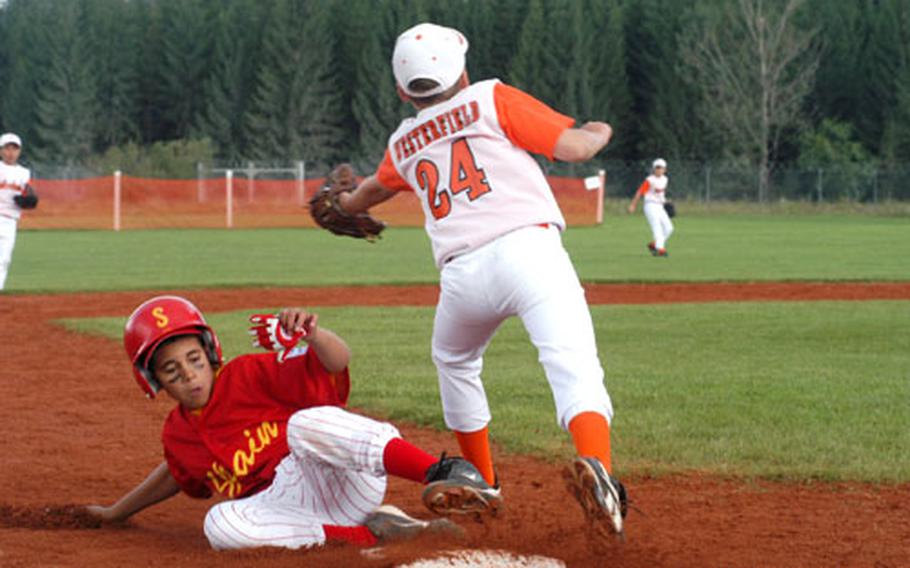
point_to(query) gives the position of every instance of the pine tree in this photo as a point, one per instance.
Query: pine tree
(354, 27)
(278, 58)
(228, 87)
(492, 28)
(663, 101)
(152, 126)
(885, 55)
(599, 70)
(67, 99)
(27, 54)
(843, 31)
(376, 105)
(182, 62)
(535, 67)
(113, 31)
(896, 138)
(322, 109)
(296, 110)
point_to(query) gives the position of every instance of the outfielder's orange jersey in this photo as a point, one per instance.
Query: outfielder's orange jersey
(12, 183)
(653, 189)
(467, 159)
(233, 444)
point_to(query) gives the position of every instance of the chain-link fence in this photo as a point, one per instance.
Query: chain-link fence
(689, 180)
(717, 181)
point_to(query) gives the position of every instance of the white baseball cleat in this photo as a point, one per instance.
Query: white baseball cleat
(602, 497)
(388, 522)
(454, 486)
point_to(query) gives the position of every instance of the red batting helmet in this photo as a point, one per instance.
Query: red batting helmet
(158, 319)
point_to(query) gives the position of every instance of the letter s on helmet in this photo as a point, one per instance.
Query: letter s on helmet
(156, 320)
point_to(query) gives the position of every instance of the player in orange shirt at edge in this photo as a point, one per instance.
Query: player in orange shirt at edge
(495, 231)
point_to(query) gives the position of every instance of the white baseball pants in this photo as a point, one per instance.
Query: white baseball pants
(529, 274)
(333, 476)
(7, 242)
(661, 225)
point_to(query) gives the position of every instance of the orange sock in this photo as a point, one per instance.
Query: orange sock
(591, 434)
(475, 447)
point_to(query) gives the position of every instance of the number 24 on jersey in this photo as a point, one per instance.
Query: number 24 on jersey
(464, 176)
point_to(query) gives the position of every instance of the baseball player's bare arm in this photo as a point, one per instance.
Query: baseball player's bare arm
(157, 487)
(641, 191)
(332, 351)
(369, 193)
(582, 144)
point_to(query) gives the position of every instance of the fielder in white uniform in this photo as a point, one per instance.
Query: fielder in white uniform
(495, 227)
(13, 181)
(266, 432)
(654, 191)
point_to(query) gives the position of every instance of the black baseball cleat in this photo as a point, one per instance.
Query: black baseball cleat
(455, 487)
(602, 497)
(389, 523)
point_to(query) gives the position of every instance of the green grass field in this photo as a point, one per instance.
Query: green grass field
(814, 390)
(784, 390)
(705, 248)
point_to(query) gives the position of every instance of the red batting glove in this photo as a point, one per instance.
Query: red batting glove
(269, 334)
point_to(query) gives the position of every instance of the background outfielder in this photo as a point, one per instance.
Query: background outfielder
(267, 432)
(15, 195)
(495, 230)
(654, 191)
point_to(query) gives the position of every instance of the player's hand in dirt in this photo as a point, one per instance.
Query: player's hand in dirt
(104, 514)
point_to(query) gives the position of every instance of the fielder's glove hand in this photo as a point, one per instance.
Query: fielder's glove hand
(28, 199)
(328, 214)
(670, 209)
(269, 334)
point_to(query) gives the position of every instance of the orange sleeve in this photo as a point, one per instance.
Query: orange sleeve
(389, 177)
(527, 122)
(643, 189)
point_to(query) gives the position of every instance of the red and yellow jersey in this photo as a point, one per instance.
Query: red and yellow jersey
(12, 183)
(468, 160)
(233, 444)
(654, 188)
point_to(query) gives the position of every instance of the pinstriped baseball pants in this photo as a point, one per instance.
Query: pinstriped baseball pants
(333, 476)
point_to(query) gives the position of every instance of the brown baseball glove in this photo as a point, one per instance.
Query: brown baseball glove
(328, 214)
(28, 199)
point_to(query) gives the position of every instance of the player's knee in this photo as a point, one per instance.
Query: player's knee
(455, 364)
(319, 421)
(302, 418)
(323, 423)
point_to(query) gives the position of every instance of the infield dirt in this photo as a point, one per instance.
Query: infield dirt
(77, 432)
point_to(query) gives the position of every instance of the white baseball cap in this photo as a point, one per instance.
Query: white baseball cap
(659, 163)
(428, 51)
(10, 138)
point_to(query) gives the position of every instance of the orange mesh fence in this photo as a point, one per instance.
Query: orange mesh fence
(163, 203)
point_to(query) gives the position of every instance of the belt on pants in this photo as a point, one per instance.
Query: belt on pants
(454, 256)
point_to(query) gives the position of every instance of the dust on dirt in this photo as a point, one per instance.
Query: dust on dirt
(77, 431)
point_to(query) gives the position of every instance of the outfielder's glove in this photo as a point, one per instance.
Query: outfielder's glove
(328, 214)
(670, 209)
(28, 199)
(269, 334)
